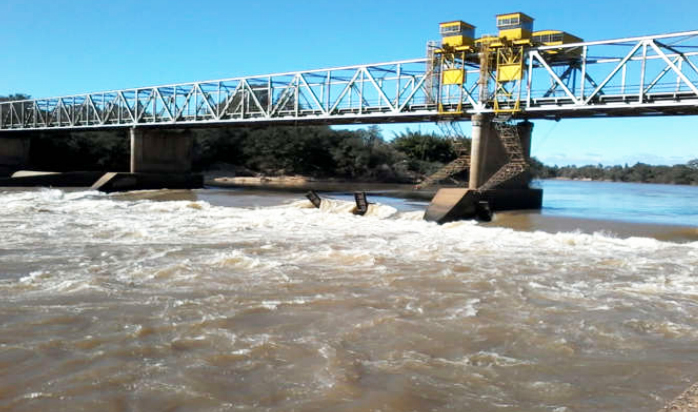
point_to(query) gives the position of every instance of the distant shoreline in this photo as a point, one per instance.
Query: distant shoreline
(303, 184)
(588, 179)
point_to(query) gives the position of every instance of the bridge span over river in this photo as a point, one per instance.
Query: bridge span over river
(499, 85)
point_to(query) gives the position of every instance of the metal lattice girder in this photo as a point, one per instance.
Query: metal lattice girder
(651, 75)
(634, 76)
(381, 91)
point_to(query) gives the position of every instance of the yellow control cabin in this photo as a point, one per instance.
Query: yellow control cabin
(554, 38)
(557, 38)
(515, 27)
(457, 35)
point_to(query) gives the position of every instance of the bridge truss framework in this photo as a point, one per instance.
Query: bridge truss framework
(640, 76)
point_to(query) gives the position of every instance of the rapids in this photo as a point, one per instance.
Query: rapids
(121, 302)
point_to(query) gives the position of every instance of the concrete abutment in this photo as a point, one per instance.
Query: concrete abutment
(14, 153)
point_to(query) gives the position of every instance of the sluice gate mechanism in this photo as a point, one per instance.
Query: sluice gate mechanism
(360, 199)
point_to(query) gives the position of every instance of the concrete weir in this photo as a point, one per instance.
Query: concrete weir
(490, 158)
(121, 182)
(29, 178)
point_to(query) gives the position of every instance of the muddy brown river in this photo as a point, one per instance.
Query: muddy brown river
(209, 301)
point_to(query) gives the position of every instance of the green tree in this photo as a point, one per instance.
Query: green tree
(426, 147)
(15, 96)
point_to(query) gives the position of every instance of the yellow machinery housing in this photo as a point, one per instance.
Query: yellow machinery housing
(457, 35)
(516, 28)
(554, 38)
(557, 38)
(457, 42)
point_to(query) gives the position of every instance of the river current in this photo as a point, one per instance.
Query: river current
(215, 300)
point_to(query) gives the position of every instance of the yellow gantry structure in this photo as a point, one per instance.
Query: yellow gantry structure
(502, 54)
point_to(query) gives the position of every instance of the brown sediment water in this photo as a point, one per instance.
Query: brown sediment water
(211, 300)
(535, 220)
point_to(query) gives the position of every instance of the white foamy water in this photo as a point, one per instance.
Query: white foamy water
(123, 303)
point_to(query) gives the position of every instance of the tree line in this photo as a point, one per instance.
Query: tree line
(315, 151)
(681, 174)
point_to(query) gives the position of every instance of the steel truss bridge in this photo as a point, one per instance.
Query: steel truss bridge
(640, 76)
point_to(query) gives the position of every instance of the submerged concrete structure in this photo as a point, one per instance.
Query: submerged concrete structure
(120, 182)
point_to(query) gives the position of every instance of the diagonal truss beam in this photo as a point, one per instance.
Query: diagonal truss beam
(614, 72)
(535, 55)
(676, 70)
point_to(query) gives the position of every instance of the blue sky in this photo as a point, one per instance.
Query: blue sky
(59, 47)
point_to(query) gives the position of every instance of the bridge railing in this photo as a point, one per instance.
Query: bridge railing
(647, 75)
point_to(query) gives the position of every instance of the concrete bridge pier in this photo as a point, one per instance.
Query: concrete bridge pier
(161, 151)
(160, 159)
(14, 153)
(488, 155)
(482, 132)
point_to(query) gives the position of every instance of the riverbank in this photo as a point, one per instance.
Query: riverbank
(686, 402)
(299, 184)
